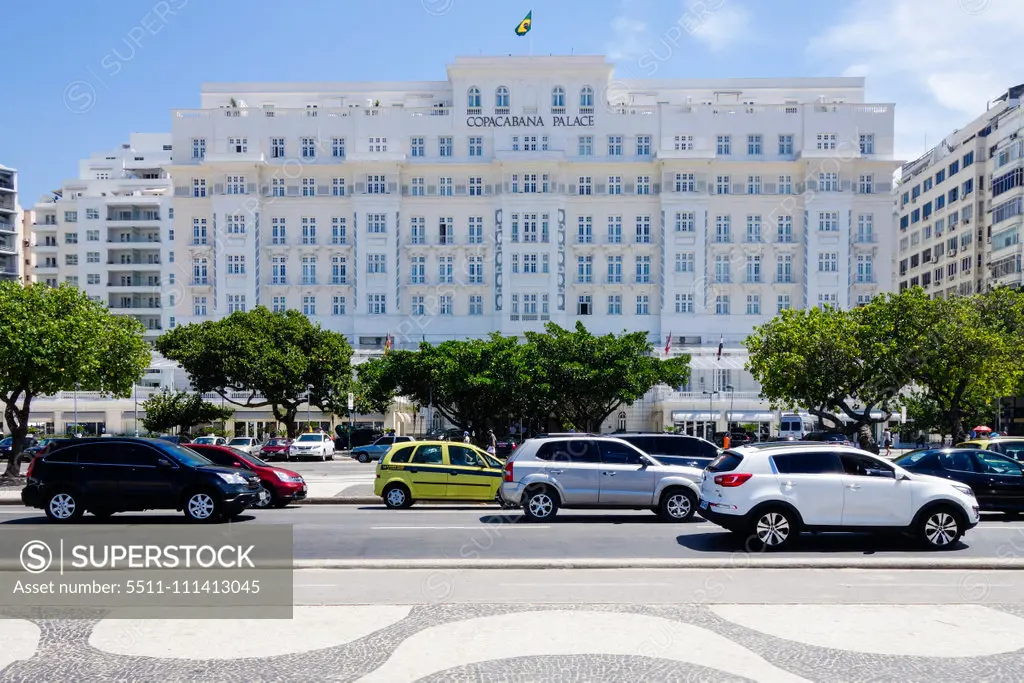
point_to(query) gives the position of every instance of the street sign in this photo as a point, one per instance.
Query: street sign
(903, 415)
(351, 401)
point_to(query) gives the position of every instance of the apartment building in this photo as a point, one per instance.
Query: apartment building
(10, 226)
(959, 207)
(109, 230)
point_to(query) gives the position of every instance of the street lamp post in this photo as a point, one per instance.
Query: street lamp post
(711, 413)
(732, 402)
(135, 413)
(309, 397)
(76, 409)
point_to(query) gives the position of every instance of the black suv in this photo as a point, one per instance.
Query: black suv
(673, 449)
(108, 475)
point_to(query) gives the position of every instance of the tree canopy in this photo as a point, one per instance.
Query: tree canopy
(841, 363)
(273, 358)
(54, 339)
(946, 359)
(477, 384)
(587, 377)
(180, 411)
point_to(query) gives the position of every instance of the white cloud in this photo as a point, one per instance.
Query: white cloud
(722, 28)
(629, 33)
(940, 61)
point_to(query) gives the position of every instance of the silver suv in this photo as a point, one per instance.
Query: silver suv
(545, 474)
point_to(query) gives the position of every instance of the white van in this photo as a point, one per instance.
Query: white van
(794, 425)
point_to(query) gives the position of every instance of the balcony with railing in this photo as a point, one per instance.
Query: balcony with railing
(6, 227)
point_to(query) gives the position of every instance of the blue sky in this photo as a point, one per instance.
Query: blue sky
(129, 62)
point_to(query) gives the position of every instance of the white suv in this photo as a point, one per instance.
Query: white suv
(775, 491)
(584, 471)
(313, 444)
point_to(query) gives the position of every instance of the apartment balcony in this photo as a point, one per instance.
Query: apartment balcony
(135, 284)
(46, 267)
(154, 240)
(6, 184)
(6, 248)
(865, 280)
(140, 308)
(45, 246)
(869, 238)
(137, 265)
(10, 228)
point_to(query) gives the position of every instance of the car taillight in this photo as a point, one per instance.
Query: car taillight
(508, 471)
(730, 480)
(31, 466)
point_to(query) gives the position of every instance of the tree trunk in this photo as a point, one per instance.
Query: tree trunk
(17, 421)
(958, 426)
(287, 418)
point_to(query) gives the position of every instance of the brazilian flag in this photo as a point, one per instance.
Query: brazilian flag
(525, 24)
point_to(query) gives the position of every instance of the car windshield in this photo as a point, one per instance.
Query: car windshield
(251, 459)
(206, 439)
(911, 458)
(239, 442)
(185, 456)
(277, 442)
(6, 442)
(309, 437)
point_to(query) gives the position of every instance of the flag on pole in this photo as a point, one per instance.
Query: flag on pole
(668, 343)
(524, 26)
(721, 343)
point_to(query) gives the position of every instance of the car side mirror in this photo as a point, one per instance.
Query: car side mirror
(900, 476)
(645, 461)
(164, 464)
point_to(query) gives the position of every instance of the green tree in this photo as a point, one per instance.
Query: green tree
(584, 378)
(837, 363)
(475, 384)
(970, 357)
(925, 415)
(180, 411)
(275, 358)
(52, 339)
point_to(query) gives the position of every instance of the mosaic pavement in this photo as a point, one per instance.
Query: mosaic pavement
(455, 643)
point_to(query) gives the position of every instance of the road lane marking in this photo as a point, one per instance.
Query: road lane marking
(627, 584)
(445, 528)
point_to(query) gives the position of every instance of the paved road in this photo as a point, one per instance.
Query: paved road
(486, 532)
(565, 626)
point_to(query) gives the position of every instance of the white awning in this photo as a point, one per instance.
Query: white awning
(711, 363)
(875, 415)
(695, 415)
(751, 417)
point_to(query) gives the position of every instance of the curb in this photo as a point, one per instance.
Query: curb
(733, 562)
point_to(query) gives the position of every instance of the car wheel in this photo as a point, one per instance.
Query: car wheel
(397, 497)
(201, 506)
(540, 505)
(940, 528)
(677, 505)
(774, 529)
(63, 506)
(363, 457)
(264, 499)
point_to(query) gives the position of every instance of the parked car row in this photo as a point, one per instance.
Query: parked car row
(769, 492)
(104, 476)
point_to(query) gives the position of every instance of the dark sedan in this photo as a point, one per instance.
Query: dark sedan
(997, 481)
(7, 442)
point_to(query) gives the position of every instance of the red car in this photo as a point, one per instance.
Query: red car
(275, 449)
(278, 486)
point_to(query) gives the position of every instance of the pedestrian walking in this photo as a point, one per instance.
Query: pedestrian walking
(492, 444)
(887, 441)
(465, 437)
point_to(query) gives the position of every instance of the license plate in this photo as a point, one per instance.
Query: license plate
(703, 505)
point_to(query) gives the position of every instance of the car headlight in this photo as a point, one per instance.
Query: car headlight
(232, 478)
(966, 490)
(287, 477)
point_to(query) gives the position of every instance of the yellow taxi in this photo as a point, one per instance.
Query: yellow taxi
(1010, 446)
(436, 470)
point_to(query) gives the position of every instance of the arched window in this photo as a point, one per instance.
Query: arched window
(558, 97)
(586, 96)
(473, 98)
(622, 422)
(501, 97)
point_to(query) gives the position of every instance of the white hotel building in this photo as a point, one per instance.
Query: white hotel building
(522, 190)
